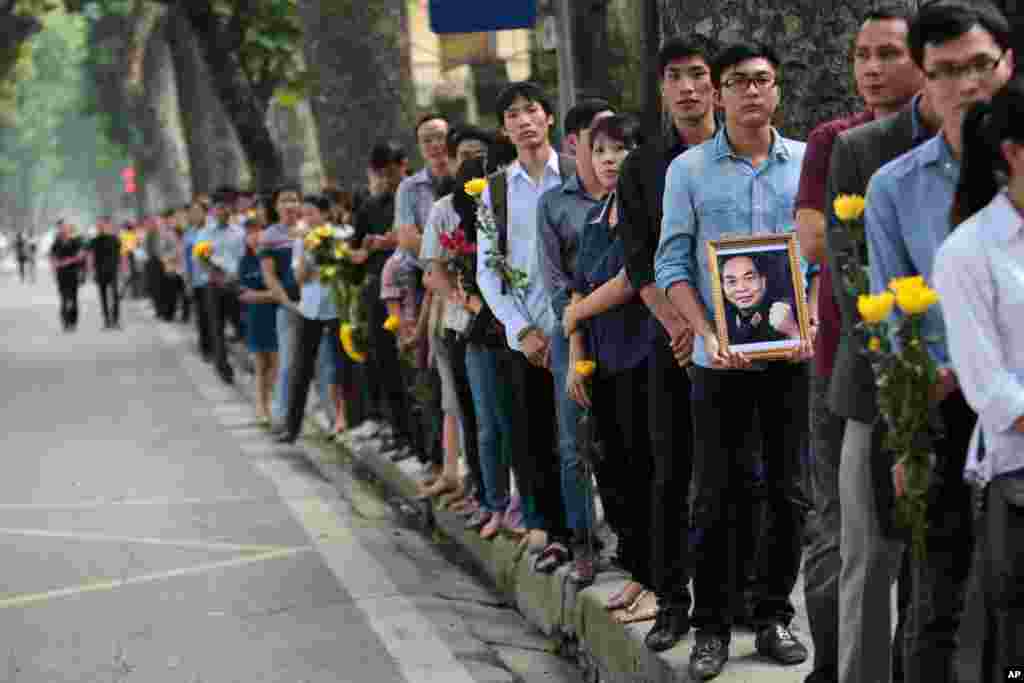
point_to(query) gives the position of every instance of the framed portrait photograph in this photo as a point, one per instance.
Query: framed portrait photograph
(758, 291)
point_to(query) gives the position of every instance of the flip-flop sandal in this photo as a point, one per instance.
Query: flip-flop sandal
(645, 608)
(553, 557)
(620, 600)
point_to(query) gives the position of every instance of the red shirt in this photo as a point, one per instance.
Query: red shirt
(811, 195)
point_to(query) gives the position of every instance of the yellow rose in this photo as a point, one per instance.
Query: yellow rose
(475, 187)
(328, 272)
(874, 309)
(874, 345)
(348, 344)
(323, 232)
(311, 241)
(848, 207)
(340, 252)
(912, 282)
(585, 368)
(916, 300)
(202, 250)
(392, 323)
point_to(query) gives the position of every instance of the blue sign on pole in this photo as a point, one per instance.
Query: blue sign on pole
(477, 16)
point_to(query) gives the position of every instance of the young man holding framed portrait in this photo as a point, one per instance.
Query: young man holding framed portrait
(744, 179)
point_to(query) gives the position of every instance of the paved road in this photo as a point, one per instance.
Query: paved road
(149, 532)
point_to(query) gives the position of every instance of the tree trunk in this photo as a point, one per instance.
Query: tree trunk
(293, 131)
(163, 160)
(246, 104)
(215, 154)
(590, 47)
(359, 96)
(651, 93)
(812, 40)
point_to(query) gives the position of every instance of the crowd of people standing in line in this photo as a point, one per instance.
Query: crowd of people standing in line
(719, 475)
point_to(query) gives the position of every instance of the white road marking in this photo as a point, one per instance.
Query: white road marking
(133, 540)
(98, 586)
(106, 502)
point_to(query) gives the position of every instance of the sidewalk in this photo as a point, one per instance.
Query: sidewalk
(607, 651)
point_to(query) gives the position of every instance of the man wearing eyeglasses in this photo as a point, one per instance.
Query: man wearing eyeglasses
(744, 180)
(964, 51)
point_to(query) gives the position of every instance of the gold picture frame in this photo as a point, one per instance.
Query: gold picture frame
(765, 291)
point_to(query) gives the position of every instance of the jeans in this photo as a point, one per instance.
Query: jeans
(287, 320)
(494, 426)
(723, 405)
(578, 501)
(327, 373)
(822, 562)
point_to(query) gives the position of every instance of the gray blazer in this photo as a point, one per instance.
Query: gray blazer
(856, 155)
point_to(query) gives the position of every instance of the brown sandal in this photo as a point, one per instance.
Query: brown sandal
(625, 597)
(439, 487)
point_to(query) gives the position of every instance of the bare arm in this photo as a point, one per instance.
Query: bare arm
(810, 230)
(276, 289)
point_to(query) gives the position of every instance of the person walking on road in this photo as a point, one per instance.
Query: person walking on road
(21, 249)
(66, 258)
(105, 255)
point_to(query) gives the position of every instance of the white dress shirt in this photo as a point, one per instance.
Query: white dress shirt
(979, 275)
(523, 195)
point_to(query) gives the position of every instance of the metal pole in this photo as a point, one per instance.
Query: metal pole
(566, 61)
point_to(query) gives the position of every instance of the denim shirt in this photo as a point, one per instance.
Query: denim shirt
(710, 193)
(228, 244)
(907, 220)
(316, 302)
(619, 339)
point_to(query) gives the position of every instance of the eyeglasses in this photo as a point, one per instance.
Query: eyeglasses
(742, 82)
(981, 67)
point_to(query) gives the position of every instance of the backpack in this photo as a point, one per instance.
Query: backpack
(498, 183)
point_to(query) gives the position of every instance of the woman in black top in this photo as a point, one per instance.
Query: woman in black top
(66, 258)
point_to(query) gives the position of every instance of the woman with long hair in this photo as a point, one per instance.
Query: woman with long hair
(979, 275)
(609, 324)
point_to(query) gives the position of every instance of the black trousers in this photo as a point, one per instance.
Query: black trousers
(670, 423)
(387, 395)
(109, 299)
(620, 408)
(723, 404)
(300, 376)
(218, 303)
(457, 353)
(21, 268)
(203, 322)
(173, 295)
(535, 458)
(992, 633)
(939, 582)
(67, 285)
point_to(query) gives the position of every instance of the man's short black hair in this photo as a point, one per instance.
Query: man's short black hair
(285, 187)
(582, 114)
(686, 48)
(889, 11)
(430, 116)
(736, 53)
(385, 153)
(167, 213)
(463, 133)
(319, 201)
(940, 22)
(531, 92)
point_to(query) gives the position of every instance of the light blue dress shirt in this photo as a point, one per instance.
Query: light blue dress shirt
(315, 300)
(523, 196)
(711, 192)
(979, 274)
(228, 243)
(907, 220)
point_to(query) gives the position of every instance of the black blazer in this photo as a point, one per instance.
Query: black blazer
(856, 155)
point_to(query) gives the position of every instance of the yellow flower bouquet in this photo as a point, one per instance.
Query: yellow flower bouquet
(329, 249)
(203, 251)
(849, 210)
(905, 374)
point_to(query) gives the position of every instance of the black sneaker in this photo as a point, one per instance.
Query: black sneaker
(779, 643)
(709, 655)
(670, 626)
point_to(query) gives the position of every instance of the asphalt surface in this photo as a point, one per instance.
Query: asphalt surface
(150, 531)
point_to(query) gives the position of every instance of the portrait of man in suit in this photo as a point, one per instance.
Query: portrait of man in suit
(756, 309)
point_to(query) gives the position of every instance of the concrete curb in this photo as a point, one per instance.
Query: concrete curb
(609, 652)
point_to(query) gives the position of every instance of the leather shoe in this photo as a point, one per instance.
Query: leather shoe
(779, 643)
(670, 626)
(708, 657)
